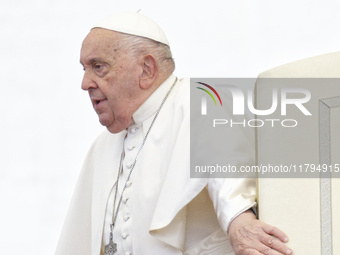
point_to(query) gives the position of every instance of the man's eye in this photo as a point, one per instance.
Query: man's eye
(99, 68)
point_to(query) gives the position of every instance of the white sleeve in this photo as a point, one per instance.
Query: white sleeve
(231, 197)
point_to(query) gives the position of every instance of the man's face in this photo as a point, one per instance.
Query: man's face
(112, 79)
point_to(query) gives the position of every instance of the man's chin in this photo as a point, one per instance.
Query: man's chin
(116, 127)
(113, 125)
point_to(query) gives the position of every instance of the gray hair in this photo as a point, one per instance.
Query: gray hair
(141, 46)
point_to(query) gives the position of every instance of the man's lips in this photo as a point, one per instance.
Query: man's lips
(97, 102)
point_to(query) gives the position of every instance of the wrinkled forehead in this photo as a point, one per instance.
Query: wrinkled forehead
(101, 36)
(99, 43)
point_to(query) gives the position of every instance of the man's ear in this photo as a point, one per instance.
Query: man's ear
(149, 71)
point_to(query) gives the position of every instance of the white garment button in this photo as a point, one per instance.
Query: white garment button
(130, 148)
(128, 184)
(128, 253)
(129, 165)
(125, 200)
(124, 235)
(133, 130)
(126, 217)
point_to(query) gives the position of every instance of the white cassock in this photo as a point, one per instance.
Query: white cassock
(163, 210)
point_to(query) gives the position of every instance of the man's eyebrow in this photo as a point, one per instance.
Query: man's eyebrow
(93, 60)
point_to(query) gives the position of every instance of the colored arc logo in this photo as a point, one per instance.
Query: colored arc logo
(209, 93)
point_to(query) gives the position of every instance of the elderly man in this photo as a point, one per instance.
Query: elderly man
(134, 194)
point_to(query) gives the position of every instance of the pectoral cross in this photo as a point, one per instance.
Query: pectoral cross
(111, 248)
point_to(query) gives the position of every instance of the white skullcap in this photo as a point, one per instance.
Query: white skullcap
(135, 24)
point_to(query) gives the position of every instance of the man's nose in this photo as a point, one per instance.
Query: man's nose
(88, 82)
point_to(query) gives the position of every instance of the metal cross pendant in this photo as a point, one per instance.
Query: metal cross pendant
(111, 248)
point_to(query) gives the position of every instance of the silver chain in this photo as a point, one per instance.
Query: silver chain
(115, 214)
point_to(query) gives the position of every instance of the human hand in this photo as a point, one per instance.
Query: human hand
(249, 236)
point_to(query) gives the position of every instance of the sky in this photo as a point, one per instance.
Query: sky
(47, 121)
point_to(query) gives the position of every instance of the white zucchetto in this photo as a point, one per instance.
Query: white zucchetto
(135, 24)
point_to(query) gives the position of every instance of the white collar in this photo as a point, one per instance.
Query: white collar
(150, 106)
